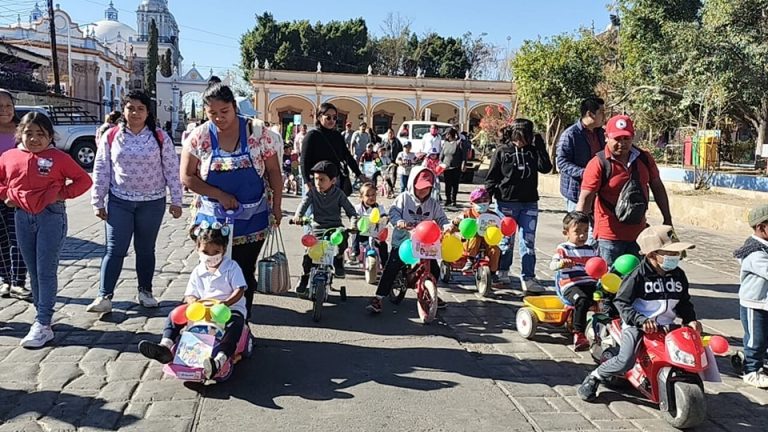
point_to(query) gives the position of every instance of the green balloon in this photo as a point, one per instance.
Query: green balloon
(337, 237)
(362, 225)
(406, 253)
(625, 264)
(468, 228)
(221, 313)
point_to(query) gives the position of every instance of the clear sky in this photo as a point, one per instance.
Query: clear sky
(210, 30)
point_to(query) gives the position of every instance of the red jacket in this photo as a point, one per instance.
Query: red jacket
(35, 180)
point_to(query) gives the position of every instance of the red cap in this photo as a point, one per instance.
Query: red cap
(424, 180)
(619, 126)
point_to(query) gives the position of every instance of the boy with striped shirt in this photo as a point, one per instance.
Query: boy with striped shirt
(573, 282)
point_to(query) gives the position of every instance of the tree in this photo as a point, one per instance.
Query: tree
(392, 47)
(480, 55)
(166, 69)
(150, 70)
(553, 76)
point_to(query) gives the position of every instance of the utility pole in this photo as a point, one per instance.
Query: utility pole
(54, 53)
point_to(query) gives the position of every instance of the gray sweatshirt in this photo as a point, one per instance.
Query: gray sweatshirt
(326, 207)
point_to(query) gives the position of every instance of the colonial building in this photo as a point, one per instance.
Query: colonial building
(381, 101)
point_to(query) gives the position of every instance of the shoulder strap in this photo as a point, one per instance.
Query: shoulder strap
(342, 162)
(606, 165)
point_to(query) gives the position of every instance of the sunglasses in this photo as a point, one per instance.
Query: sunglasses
(331, 117)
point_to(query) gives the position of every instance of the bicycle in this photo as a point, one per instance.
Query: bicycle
(420, 278)
(321, 274)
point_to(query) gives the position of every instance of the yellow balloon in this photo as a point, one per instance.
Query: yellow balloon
(610, 282)
(374, 216)
(493, 235)
(451, 249)
(195, 312)
(316, 251)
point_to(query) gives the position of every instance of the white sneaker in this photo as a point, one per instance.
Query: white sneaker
(5, 290)
(532, 286)
(38, 336)
(756, 379)
(100, 305)
(146, 299)
(20, 292)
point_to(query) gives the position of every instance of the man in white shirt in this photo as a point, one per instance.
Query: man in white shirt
(360, 140)
(433, 140)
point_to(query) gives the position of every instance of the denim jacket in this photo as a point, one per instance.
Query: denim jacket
(573, 153)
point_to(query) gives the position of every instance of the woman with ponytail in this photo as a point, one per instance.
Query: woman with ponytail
(130, 196)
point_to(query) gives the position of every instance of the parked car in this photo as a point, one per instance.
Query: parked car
(75, 130)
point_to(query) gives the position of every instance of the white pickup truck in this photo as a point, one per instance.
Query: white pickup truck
(75, 131)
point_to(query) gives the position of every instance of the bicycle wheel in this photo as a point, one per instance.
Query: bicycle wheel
(399, 288)
(317, 303)
(427, 301)
(483, 281)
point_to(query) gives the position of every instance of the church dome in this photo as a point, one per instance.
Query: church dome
(111, 31)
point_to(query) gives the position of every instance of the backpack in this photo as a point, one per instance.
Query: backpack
(632, 204)
(115, 129)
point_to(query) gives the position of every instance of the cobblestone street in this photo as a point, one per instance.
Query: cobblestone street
(351, 371)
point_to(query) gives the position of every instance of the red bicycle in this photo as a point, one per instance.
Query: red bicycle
(419, 277)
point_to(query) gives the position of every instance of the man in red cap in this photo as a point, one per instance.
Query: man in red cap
(619, 178)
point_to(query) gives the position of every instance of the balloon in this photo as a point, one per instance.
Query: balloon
(596, 267)
(221, 313)
(406, 253)
(178, 314)
(362, 225)
(427, 232)
(383, 235)
(375, 216)
(316, 251)
(493, 235)
(508, 226)
(337, 237)
(451, 248)
(718, 344)
(468, 228)
(625, 264)
(597, 296)
(308, 240)
(610, 282)
(195, 311)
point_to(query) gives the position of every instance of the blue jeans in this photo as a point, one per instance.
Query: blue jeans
(612, 249)
(40, 238)
(403, 182)
(755, 323)
(141, 221)
(527, 217)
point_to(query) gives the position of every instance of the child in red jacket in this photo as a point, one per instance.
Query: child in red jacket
(36, 178)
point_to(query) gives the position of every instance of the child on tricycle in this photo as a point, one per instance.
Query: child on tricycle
(219, 278)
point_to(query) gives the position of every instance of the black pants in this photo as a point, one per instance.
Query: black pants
(382, 247)
(580, 297)
(228, 342)
(451, 178)
(13, 271)
(393, 267)
(306, 263)
(246, 255)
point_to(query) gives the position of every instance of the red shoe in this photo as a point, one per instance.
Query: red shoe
(580, 342)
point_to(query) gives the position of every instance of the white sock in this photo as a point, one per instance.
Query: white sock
(595, 374)
(168, 343)
(220, 359)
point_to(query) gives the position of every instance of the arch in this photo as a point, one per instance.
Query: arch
(477, 112)
(443, 111)
(283, 108)
(349, 109)
(187, 101)
(391, 113)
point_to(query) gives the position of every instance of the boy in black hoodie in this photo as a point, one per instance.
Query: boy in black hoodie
(513, 180)
(653, 295)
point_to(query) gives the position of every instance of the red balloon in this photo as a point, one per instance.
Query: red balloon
(427, 232)
(179, 314)
(384, 234)
(718, 345)
(508, 226)
(308, 240)
(596, 267)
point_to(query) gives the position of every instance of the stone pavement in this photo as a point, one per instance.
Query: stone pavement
(470, 370)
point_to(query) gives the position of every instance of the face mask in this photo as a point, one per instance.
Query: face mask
(210, 260)
(669, 263)
(482, 208)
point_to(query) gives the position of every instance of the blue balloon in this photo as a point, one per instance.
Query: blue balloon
(406, 253)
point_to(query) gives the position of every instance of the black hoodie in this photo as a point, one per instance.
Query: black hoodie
(514, 172)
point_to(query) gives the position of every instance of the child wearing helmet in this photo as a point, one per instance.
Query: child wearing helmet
(481, 210)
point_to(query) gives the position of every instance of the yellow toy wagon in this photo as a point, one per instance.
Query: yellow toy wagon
(546, 309)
